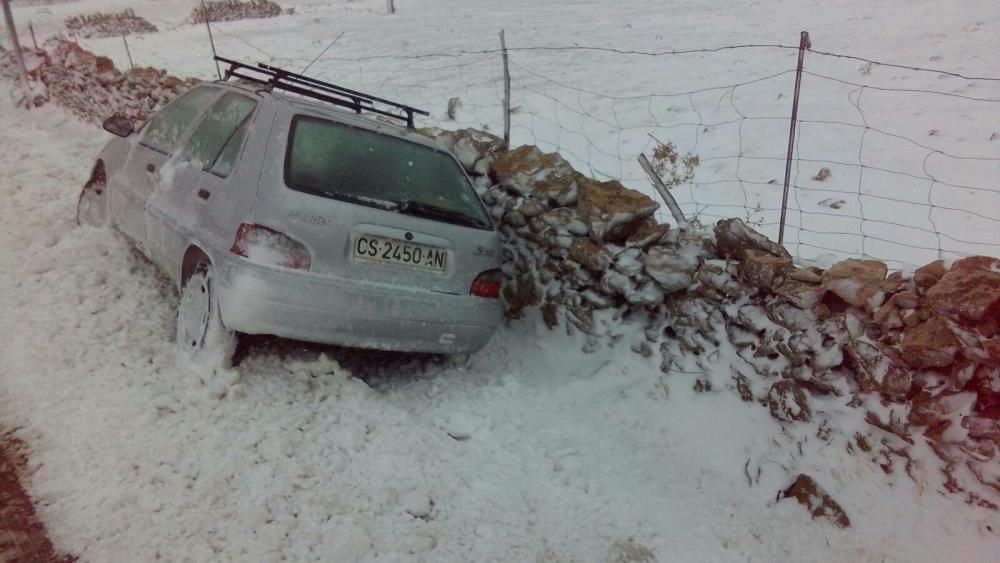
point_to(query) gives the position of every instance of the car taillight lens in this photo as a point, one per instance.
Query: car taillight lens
(487, 284)
(270, 247)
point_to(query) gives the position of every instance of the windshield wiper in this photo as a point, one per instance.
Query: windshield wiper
(429, 211)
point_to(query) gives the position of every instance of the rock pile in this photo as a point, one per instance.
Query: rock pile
(232, 10)
(923, 348)
(113, 24)
(575, 246)
(91, 87)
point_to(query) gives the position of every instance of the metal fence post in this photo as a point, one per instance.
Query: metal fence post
(131, 65)
(34, 41)
(211, 40)
(9, 17)
(804, 44)
(506, 91)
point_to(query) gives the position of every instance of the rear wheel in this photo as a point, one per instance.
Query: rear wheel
(202, 339)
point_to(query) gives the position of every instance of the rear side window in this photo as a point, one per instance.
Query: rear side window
(216, 141)
(167, 127)
(338, 161)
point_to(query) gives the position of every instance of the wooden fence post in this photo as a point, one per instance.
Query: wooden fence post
(664, 192)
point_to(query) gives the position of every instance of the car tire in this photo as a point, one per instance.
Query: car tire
(202, 340)
(92, 207)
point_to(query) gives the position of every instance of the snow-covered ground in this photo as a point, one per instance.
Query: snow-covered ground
(534, 452)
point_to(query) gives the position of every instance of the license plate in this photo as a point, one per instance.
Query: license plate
(379, 250)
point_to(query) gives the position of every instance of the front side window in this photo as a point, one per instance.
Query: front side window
(339, 161)
(226, 161)
(163, 131)
(220, 134)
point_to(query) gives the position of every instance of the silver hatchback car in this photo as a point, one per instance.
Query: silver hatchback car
(294, 215)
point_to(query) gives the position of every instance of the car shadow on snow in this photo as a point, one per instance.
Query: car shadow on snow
(379, 369)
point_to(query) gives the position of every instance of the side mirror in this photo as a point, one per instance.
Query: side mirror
(119, 125)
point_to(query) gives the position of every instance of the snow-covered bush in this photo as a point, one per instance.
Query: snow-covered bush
(672, 167)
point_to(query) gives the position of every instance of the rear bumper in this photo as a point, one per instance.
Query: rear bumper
(257, 299)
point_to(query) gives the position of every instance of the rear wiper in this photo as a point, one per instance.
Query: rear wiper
(362, 200)
(430, 211)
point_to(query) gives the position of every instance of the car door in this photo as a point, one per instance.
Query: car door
(143, 169)
(195, 204)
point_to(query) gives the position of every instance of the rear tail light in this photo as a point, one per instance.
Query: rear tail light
(487, 284)
(267, 246)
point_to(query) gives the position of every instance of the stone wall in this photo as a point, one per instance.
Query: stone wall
(113, 24)
(232, 10)
(90, 86)
(920, 354)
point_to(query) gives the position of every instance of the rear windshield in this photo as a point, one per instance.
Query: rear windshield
(339, 161)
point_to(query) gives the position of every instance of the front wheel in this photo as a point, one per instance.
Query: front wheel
(92, 207)
(202, 339)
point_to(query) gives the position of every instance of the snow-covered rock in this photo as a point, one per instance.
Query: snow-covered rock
(763, 270)
(930, 344)
(969, 291)
(529, 171)
(673, 267)
(611, 211)
(855, 281)
(733, 237)
(819, 503)
(788, 401)
(590, 255)
(416, 503)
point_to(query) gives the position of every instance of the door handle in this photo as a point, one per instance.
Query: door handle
(204, 194)
(150, 168)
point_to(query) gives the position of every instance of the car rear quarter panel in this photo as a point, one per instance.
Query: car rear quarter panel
(115, 153)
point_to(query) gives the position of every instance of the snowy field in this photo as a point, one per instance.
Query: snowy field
(534, 452)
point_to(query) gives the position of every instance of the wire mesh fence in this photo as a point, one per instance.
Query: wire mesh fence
(914, 170)
(890, 161)
(905, 174)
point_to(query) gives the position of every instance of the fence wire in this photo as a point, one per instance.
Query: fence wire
(891, 191)
(899, 197)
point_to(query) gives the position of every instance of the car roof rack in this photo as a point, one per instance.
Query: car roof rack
(279, 78)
